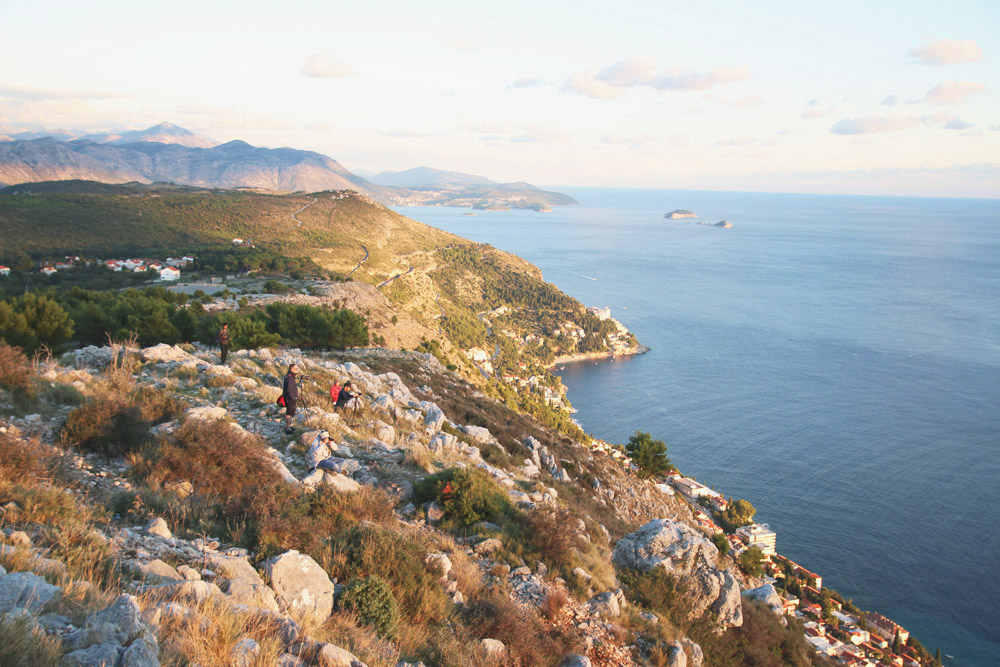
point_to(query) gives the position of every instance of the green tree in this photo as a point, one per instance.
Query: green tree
(648, 454)
(752, 561)
(737, 513)
(896, 643)
(33, 320)
(371, 599)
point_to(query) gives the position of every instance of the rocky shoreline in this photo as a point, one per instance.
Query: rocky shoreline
(588, 356)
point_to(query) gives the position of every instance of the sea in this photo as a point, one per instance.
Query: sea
(835, 360)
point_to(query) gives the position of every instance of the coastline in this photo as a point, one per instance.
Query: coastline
(587, 356)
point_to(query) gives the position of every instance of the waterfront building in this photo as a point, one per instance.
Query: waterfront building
(759, 535)
(886, 627)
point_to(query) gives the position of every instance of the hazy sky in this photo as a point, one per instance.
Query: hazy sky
(853, 97)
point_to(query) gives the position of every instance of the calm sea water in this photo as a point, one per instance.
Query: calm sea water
(835, 360)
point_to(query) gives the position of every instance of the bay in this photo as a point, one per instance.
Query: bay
(835, 360)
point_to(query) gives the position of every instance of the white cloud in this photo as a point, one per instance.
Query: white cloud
(585, 83)
(36, 94)
(948, 52)
(890, 101)
(324, 66)
(953, 92)
(995, 128)
(540, 135)
(736, 141)
(747, 101)
(527, 82)
(874, 124)
(612, 81)
(812, 112)
(957, 124)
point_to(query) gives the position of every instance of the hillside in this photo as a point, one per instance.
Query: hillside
(471, 301)
(434, 187)
(184, 528)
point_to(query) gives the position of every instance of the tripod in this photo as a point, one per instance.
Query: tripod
(299, 380)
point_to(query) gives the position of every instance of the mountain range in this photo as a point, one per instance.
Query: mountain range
(168, 153)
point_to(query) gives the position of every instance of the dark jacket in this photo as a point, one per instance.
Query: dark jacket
(289, 389)
(223, 336)
(345, 396)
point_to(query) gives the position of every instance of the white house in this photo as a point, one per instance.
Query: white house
(758, 535)
(169, 273)
(4, 270)
(48, 270)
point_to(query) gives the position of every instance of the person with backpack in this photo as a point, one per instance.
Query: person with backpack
(335, 393)
(290, 394)
(224, 342)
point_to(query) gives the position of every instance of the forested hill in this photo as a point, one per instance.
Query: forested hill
(465, 296)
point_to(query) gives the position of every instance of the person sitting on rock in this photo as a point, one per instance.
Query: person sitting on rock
(347, 398)
(320, 449)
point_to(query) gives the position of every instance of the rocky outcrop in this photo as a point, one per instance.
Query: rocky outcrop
(302, 587)
(683, 551)
(115, 636)
(767, 595)
(673, 545)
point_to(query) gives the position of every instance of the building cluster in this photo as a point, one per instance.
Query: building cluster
(170, 269)
(832, 632)
(245, 243)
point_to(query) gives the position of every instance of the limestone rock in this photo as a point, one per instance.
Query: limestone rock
(245, 653)
(493, 646)
(24, 590)
(158, 571)
(143, 652)
(664, 543)
(439, 560)
(334, 656)
(159, 528)
(98, 655)
(194, 592)
(340, 483)
(676, 657)
(488, 546)
(694, 650)
(207, 412)
(232, 568)
(718, 591)
(767, 595)
(576, 661)
(164, 354)
(435, 417)
(478, 434)
(301, 585)
(256, 596)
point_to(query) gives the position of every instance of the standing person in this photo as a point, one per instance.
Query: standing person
(224, 342)
(290, 391)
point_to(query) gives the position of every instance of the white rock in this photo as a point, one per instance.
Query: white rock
(301, 585)
(159, 528)
(208, 412)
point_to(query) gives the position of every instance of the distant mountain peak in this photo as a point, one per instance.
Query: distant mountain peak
(162, 133)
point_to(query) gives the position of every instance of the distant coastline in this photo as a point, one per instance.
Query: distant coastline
(587, 356)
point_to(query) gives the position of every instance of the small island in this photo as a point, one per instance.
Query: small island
(679, 214)
(724, 224)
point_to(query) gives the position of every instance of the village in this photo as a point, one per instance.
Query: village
(167, 270)
(856, 638)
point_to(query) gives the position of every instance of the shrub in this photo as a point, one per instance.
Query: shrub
(366, 550)
(520, 629)
(24, 644)
(659, 591)
(467, 496)
(721, 543)
(552, 531)
(372, 601)
(15, 370)
(110, 425)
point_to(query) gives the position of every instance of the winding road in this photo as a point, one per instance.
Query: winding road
(302, 209)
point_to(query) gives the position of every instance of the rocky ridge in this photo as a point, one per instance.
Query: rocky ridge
(177, 582)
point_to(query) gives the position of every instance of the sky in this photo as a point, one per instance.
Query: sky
(892, 98)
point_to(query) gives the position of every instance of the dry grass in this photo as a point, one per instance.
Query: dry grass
(343, 630)
(210, 634)
(553, 604)
(23, 644)
(16, 371)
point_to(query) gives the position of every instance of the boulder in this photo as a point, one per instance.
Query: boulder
(340, 483)
(257, 596)
(719, 592)
(244, 653)
(159, 528)
(334, 656)
(435, 417)
(24, 590)
(442, 442)
(164, 354)
(207, 412)
(218, 370)
(439, 560)
(301, 585)
(694, 650)
(158, 571)
(283, 470)
(98, 655)
(493, 647)
(576, 661)
(478, 434)
(385, 432)
(92, 356)
(768, 595)
(143, 652)
(608, 605)
(488, 546)
(664, 543)
(193, 592)
(232, 567)
(676, 657)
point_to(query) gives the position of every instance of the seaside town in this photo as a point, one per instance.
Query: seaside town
(833, 627)
(167, 270)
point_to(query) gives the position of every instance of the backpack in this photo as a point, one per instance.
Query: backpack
(281, 400)
(334, 392)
